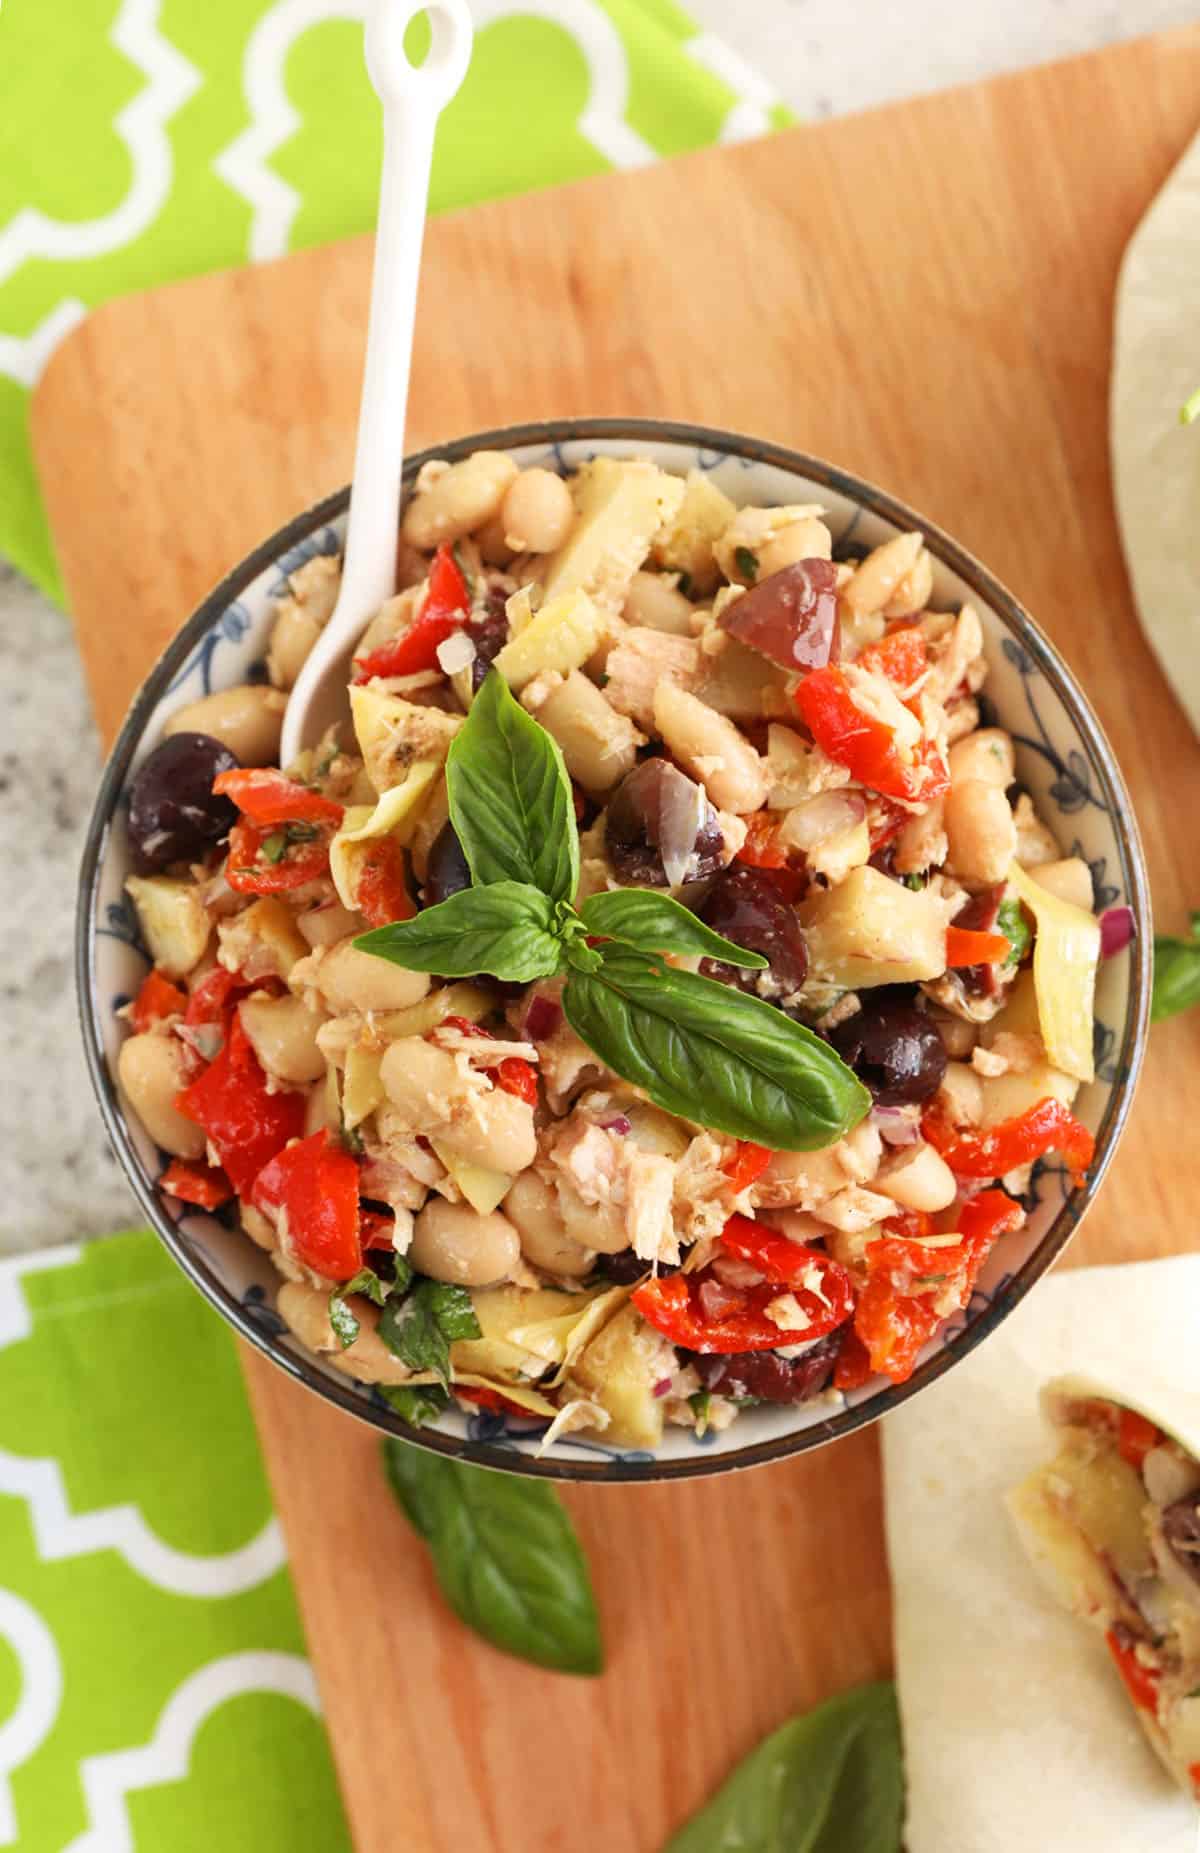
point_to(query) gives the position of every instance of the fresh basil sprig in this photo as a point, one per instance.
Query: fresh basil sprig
(421, 1327)
(506, 1556)
(702, 1050)
(342, 1316)
(1176, 973)
(510, 797)
(830, 1781)
(743, 1070)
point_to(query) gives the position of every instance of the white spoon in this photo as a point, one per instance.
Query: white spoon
(413, 97)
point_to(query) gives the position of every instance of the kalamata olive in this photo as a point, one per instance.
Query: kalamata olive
(646, 815)
(626, 1269)
(488, 631)
(791, 617)
(1181, 1532)
(744, 905)
(768, 1377)
(173, 813)
(446, 870)
(893, 1048)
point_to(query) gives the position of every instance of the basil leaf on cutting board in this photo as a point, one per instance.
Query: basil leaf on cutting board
(1176, 973)
(506, 1556)
(707, 1052)
(830, 1781)
(656, 923)
(510, 797)
(507, 929)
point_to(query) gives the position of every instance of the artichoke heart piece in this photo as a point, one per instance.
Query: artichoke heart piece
(396, 815)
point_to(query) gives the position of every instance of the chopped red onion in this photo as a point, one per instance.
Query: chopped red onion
(1116, 930)
(716, 1301)
(681, 817)
(620, 1122)
(663, 1387)
(896, 1125)
(542, 1017)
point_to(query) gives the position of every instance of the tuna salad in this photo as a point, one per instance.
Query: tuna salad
(1113, 1526)
(652, 1001)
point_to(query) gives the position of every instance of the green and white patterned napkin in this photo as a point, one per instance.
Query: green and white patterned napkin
(144, 140)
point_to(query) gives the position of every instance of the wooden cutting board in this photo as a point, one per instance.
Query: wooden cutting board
(923, 294)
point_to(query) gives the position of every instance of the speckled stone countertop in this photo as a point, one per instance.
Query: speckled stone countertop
(58, 1180)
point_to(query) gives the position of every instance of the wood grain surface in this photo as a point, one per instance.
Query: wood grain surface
(923, 294)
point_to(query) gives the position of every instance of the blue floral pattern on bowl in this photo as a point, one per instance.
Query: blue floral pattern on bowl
(1062, 759)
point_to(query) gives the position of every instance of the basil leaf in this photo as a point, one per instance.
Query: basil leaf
(831, 1781)
(417, 1403)
(1176, 973)
(506, 929)
(510, 797)
(342, 1316)
(746, 562)
(420, 1328)
(506, 1555)
(1011, 921)
(710, 1053)
(656, 923)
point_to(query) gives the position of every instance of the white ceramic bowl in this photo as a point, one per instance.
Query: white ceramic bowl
(1062, 758)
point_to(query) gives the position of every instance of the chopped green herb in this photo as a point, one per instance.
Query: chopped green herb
(1011, 921)
(700, 1402)
(342, 1316)
(301, 833)
(420, 1328)
(746, 562)
(274, 848)
(915, 882)
(417, 1403)
(350, 1137)
(463, 568)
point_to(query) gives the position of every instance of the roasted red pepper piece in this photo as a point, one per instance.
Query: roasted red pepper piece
(853, 1367)
(902, 656)
(966, 947)
(254, 867)
(210, 998)
(1135, 1437)
(314, 1183)
(893, 1327)
(446, 608)
(375, 1230)
(864, 745)
(246, 1125)
(1046, 1127)
(746, 1163)
(484, 1397)
(157, 998)
(382, 895)
(822, 1287)
(192, 1181)
(268, 797)
(762, 848)
(673, 1307)
(519, 1077)
(1141, 1682)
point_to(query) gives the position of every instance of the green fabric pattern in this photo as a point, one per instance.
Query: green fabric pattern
(201, 136)
(153, 1680)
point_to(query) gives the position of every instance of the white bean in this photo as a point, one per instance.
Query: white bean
(914, 591)
(305, 1312)
(980, 831)
(654, 602)
(454, 1243)
(150, 1069)
(415, 1074)
(532, 1207)
(709, 746)
(293, 635)
(283, 1035)
(986, 754)
(352, 980)
(463, 498)
(598, 744)
(598, 1225)
(493, 1129)
(918, 1178)
(324, 926)
(247, 719)
(809, 539)
(874, 582)
(537, 512)
(961, 1094)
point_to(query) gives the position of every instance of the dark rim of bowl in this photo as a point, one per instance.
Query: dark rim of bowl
(1127, 1058)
